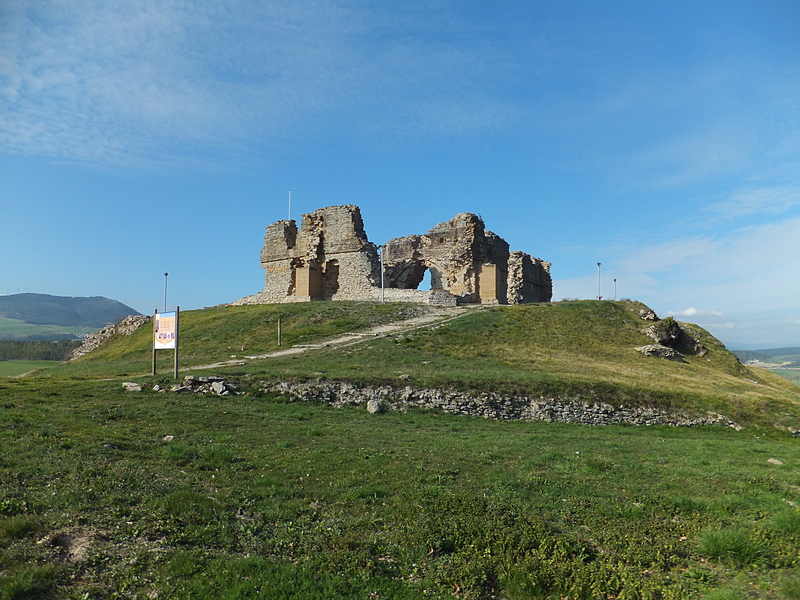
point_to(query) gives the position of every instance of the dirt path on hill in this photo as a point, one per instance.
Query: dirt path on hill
(432, 319)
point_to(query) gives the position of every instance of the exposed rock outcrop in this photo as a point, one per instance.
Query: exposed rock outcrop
(660, 351)
(669, 333)
(96, 339)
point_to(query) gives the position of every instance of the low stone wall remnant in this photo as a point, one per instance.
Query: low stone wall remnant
(490, 405)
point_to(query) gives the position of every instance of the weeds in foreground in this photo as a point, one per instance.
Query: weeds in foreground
(29, 581)
(790, 588)
(733, 546)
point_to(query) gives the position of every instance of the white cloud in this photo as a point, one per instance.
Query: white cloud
(693, 312)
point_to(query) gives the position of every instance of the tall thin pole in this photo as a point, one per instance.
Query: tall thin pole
(615, 289)
(177, 337)
(599, 297)
(166, 276)
(155, 318)
(383, 291)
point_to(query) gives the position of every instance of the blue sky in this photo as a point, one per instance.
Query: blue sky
(660, 139)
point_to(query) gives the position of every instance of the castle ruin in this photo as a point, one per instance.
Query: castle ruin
(330, 258)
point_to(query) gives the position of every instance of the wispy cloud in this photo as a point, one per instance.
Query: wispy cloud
(725, 280)
(771, 200)
(155, 80)
(739, 267)
(97, 81)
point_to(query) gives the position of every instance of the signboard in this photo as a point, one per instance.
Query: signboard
(165, 331)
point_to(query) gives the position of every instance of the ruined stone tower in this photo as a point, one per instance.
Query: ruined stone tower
(330, 258)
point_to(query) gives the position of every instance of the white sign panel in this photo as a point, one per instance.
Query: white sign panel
(165, 331)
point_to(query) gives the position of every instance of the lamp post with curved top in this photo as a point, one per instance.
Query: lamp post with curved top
(383, 289)
(599, 297)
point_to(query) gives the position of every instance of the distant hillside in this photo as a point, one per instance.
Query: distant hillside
(41, 316)
(769, 355)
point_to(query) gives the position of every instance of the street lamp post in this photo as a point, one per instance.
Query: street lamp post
(599, 297)
(166, 275)
(615, 289)
(383, 293)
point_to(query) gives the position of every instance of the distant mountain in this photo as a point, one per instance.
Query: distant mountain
(775, 352)
(61, 311)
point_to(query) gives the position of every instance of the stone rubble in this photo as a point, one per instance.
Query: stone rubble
(212, 384)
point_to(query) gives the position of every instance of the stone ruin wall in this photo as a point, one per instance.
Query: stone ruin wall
(330, 258)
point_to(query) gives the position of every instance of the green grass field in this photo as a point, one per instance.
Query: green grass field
(792, 375)
(11, 368)
(112, 494)
(14, 328)
(253, 496)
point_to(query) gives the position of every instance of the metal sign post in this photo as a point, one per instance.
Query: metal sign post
(155, 324)
(177, 319)
(165, 335)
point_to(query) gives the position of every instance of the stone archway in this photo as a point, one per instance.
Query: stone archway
(437, 277)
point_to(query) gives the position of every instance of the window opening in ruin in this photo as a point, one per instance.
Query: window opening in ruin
(425, 284)
(331, 278)
(431, 280)
(293, 280)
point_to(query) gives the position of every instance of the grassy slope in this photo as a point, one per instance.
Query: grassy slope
(216, 334)
(583, 350)
(11, 368)
(14, 328)
(256, 497)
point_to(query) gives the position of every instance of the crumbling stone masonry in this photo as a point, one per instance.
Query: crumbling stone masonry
(330, 258)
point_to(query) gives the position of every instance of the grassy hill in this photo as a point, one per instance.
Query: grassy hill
(584, 350)
(768, 355)
(42, 316)
(112, 494)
